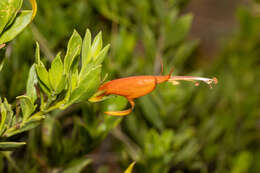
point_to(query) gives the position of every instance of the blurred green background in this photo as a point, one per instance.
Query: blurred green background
(176, 129)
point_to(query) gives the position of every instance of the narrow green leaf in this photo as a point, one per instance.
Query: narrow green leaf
(9, 9)
(62, 84)
(56, 72)
(74, 74)
(19, 24)
(101, 55)
(151, 112)
(45, 90)
(65, 102)
(115, 103)
(3, 118)
(17, 5)
(27, 126)
(27, 106)
(242, 162)
(87, 86)
(6, 115)
(130, 168)
(74, 79)
(2, 64)
(11, 145)
(110, 122)
(178, 31)
(96, 46)
(183, 52)
(31, 82)
(10, 112)
(182, 137)
(77, 166)
(73, 50)
(43, 74)
(156, 145)
(160, 9)
(105, 127)
(37, 117)
(84, 71)
(86, 49)
(37, 54)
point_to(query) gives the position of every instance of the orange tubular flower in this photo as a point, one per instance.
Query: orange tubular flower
(137, 86)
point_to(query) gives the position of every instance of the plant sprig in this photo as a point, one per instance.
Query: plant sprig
(63, 84)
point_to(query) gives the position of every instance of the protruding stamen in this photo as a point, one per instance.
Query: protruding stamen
(174, 80)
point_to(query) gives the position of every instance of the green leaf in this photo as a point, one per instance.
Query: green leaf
(76, 166)
(74, 74)
(183, 52)
(44, 88)
(43, 74)
(74, 79)
(115, 103)
(85, 70)
(157, 145)
(96, 46)
(56, 73)
(242, 162)
(182, 137)
(130, 168)
(6, 116)
(87, 86)
(92, 54)
(3, 118)
(31, 82)
(101, 55)
(37, 117)
(86, 49)
(41, 71)
(178, 31)
(10, 112)
(19, 24)
(34, 122)
(73, 50)
(2, 64)
(15, 4)
(11, 145)
(37, 54)
(62, 84)
(151, 112)
(188, 151)
(159, 9)
(27, 106)
(110, 122)
(9, 9)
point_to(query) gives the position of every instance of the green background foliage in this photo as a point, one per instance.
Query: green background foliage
(177, 129)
